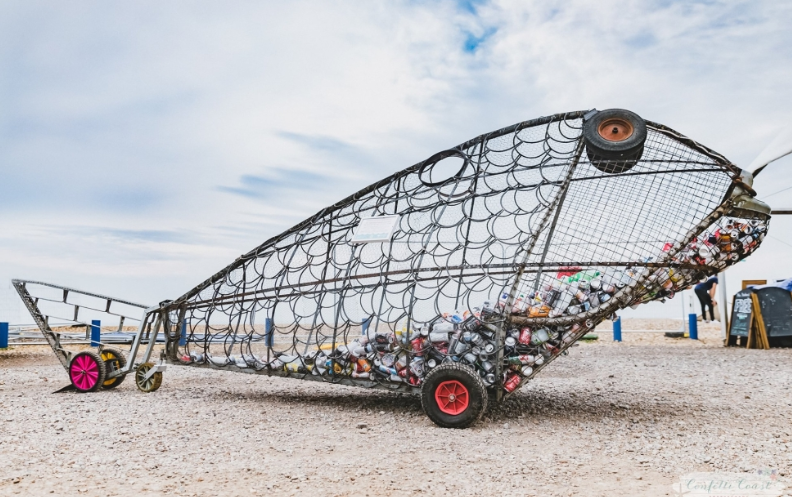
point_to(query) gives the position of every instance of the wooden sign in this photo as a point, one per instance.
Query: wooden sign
(761, 318)
(747, 283)
(757, 338)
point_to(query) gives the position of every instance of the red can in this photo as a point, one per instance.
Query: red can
(511, 382)
(525, 336)
(417, 347)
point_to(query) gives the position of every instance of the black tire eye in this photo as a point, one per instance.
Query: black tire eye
(614, 140)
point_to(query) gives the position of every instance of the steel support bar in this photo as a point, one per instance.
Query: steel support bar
(144, 323)
(723, 305)
(693, 326)
(96, 333)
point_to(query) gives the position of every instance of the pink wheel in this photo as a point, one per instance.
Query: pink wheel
(87, 371)
(452, 397)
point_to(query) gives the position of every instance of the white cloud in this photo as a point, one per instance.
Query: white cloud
(125, 119)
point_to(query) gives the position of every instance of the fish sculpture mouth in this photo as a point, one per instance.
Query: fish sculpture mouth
(743, 199)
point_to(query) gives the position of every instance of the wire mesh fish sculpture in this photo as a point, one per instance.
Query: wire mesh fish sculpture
(466, 274)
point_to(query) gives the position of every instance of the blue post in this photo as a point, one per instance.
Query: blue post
(96, 329)
(692, 327)
(3, 335)
(365, 325)
(183, 336)
(617, 330)
(269, 336)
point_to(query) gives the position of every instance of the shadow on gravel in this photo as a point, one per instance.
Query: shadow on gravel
(347, 400)
(537, 404)
(581, 407)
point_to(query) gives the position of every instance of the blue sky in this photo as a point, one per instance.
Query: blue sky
(144, 145)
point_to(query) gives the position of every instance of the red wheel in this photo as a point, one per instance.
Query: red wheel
(452, 397)
(87, 371)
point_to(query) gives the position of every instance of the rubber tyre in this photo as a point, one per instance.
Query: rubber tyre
(477, 395)
(614, 156)
(87, 363)
(112, 355)
(150, 385)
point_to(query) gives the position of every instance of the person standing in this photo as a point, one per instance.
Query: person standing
(705, 291)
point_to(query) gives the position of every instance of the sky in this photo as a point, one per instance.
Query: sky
(146, 145)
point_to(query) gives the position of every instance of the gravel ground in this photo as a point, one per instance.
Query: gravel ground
(610, 419)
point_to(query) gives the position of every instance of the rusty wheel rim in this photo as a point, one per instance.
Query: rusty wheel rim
(615, 129)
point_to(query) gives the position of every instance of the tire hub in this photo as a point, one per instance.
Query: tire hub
(84, 373)
(615, 129)
(452, 397)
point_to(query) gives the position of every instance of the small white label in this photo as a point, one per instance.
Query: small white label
(375, 229)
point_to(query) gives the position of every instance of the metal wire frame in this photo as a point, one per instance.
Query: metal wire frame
(526, 223)
(44, 300)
